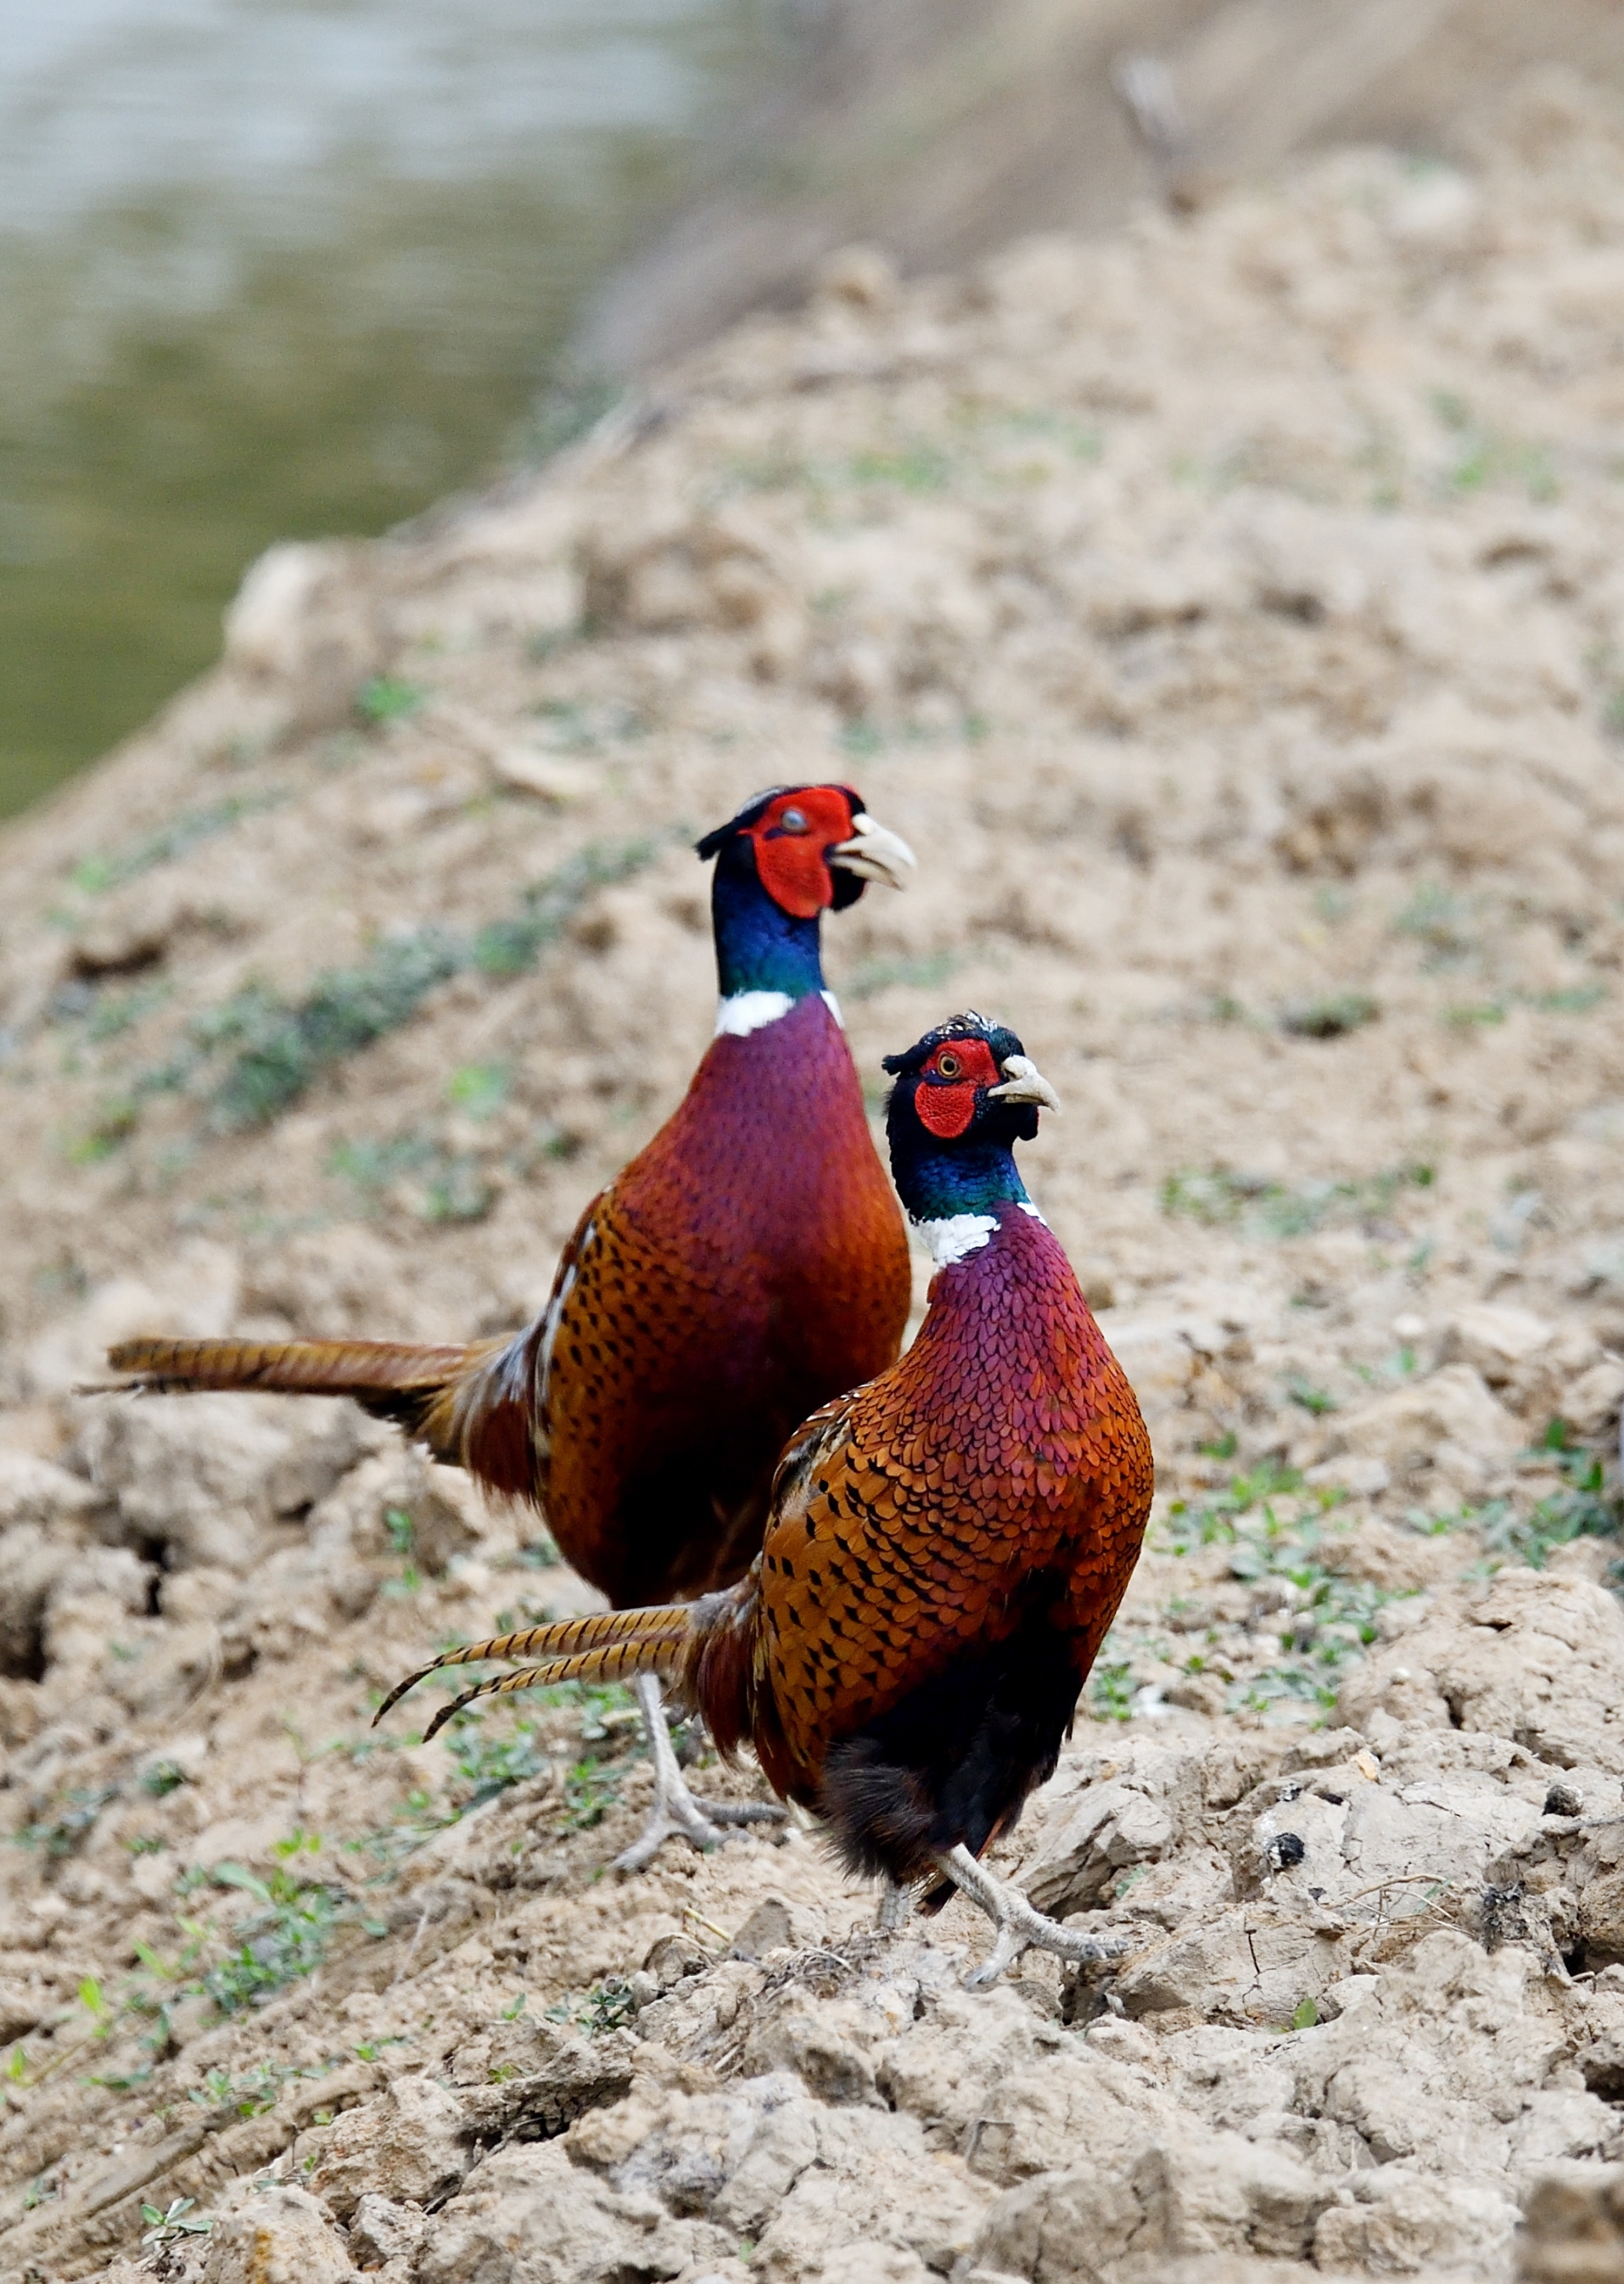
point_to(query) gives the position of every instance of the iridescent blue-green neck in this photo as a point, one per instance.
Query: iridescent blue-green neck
(936, 1180)
(760, 947)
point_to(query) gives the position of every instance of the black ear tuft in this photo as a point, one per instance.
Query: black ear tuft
(969, 1025)
(713, 842)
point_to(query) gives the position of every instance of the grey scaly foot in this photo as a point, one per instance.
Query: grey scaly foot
(1021, 1928)
(676, 1813)
(897, 1907)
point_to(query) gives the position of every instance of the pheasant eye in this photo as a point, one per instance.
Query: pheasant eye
(793, 820)
(947, 1066)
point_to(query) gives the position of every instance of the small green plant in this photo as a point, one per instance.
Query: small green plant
(478, 1089)
(250, 2095)
(173, 2224)
(1111, 1690)
(1304, 2014)
(589, 1796)
(162, 1778)
(385, 698)
(610, 2006)
(72, 1822)
(403, 1532)
(1437, 919)
(1331, 1018)
(113, 1125)
(1315, 1401)
(286, 1939)
(487, 1766)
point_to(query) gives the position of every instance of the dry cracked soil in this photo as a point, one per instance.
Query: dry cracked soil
(1231, 613)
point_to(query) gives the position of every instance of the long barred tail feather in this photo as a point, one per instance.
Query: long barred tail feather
(607, 1646)
(657, 1654)
(359, 1368)
(471, 1405)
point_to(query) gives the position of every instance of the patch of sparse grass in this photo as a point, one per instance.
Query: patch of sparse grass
(1439, 920)
(94, 875)
(444, 1184)
(286, 1939)
(918, 466)
(1590, 1505)
(1577, 999)
(508, 947)
(927, 972)
(1487, 458)
(1111, 1690)
(487, 1764)
(268, 1050)
(62, 1834)
(1263, 1207)
(1275, 1527)
(278, 1047)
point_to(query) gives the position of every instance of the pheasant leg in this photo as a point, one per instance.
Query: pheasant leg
(1020, 1927)
(897, 1907)
(675, 1812)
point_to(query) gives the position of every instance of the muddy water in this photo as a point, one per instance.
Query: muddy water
(289, 267)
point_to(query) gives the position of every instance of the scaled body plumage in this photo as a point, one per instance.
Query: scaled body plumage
(947, 1545)
(745, 1266)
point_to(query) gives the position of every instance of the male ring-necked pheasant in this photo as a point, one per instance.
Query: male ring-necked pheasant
(744, 1267)
(947, 1545)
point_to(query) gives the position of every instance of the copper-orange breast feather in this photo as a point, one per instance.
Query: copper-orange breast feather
(947, 1545)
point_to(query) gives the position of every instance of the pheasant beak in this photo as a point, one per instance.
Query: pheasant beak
(1023, 1083)
(873, 853)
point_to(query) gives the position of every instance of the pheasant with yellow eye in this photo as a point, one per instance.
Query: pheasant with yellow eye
(946, 1546)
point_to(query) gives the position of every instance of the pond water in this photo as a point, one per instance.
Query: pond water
(281, 267)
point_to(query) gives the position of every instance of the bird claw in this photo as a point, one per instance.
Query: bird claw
(676, 1814)
(674, 1817)
(1021, 1927)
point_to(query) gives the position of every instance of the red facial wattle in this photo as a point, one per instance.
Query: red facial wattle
(945, 1095)
(793, 865)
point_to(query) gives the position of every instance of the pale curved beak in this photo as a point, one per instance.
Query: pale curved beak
(1023, 1083)
(873, 853)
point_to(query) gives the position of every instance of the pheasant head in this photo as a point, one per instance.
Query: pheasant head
(965, 1094)
(790, 855)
